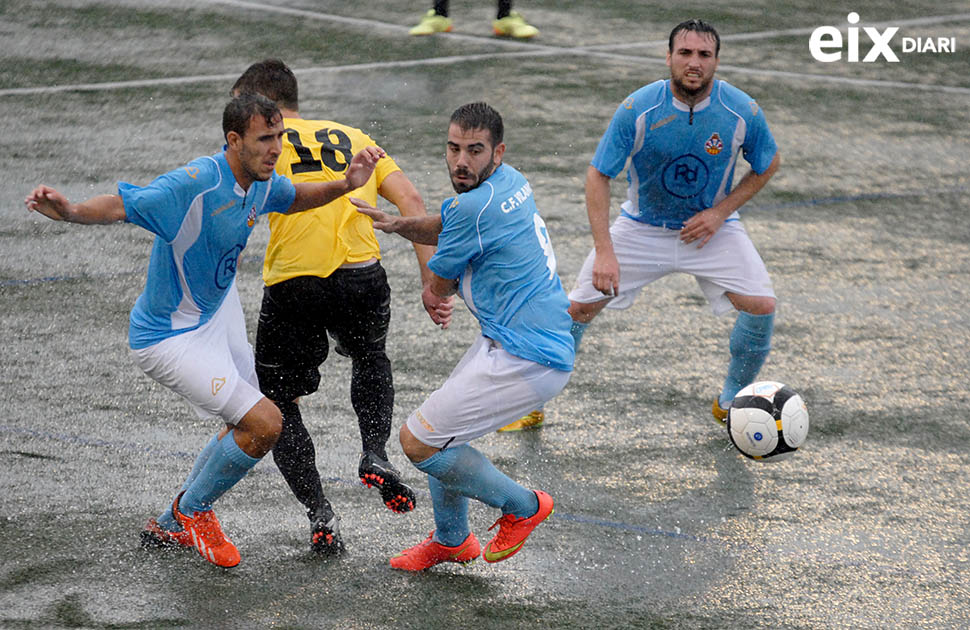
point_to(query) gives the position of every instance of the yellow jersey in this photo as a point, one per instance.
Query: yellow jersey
(318, 241)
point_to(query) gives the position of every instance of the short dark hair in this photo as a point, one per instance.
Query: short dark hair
(238, 112)
(273, 79)
(480, 116)
(696, 26)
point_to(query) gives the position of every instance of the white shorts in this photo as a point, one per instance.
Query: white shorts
(728, 262)
(487, 389)
(212, 366)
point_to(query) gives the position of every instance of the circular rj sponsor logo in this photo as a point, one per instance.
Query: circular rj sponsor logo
(685, 176)
(226, 270)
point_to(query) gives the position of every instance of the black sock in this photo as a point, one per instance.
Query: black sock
(372, 396)
(296, 458)
(504, 8)
(441, 7)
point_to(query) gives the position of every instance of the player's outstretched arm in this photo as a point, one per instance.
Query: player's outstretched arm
(315, 194)
(49, 202)
(417, 229)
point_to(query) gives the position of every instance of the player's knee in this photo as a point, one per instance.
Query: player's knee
(415, 450)
(753, 304)
(764, 306)
(262, 426)
(269, 433)
(405, 438)
(274, 424)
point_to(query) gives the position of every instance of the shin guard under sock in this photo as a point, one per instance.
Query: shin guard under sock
(226, 466)
(464, 470)
(750, 344)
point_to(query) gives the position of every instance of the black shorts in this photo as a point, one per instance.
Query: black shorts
(353, 306)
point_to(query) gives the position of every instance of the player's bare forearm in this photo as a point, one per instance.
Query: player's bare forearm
(598, 209)
(606, 269)
(419, 229)
(315, 194)
(443, 287)
(102, 209)
(422, 230)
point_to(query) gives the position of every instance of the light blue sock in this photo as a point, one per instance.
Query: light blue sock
(165, 519)
(577, 330)
(750, 344)
(464, 470)
(450, 514)
(226, 466)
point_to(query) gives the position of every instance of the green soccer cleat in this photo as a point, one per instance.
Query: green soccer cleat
(514, 25)
(432, 23)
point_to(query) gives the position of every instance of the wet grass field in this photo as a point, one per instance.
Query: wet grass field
(659, 523)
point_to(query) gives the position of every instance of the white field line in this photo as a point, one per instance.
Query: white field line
(518, 49)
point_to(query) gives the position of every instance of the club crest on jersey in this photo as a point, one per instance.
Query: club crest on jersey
(217, 384)
(251, 219)
(714, 144)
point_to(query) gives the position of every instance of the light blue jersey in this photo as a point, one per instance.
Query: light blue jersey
(681, 161)
(202, 219)
(494, 241)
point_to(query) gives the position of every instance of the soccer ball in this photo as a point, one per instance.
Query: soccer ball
(767, 421)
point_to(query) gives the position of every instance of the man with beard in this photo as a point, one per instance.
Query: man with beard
(187, 329)
(681, 138)
(494, 250)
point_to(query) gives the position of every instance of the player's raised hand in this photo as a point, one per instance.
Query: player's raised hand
(49, 202)
(52, 204)
(362, 165)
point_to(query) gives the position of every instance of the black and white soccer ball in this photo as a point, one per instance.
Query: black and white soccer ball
(767, 421)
